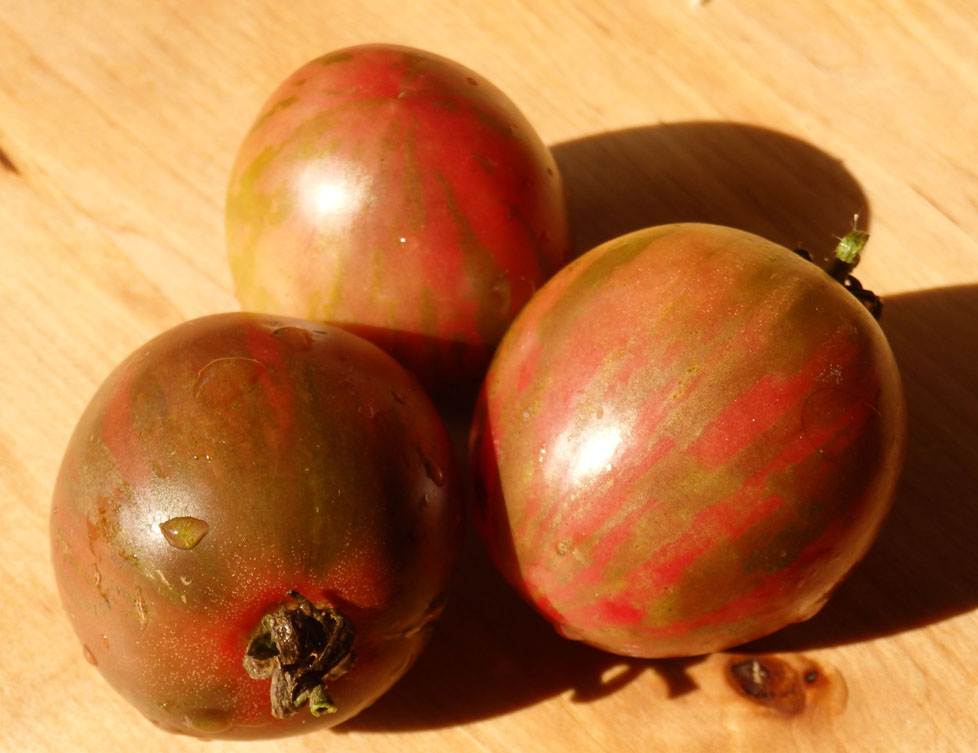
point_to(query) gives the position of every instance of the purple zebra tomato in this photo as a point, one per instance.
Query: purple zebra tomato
(685, 440)
(401, 195)
(254, 525)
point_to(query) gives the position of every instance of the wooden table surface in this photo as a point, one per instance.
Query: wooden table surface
(119, 120)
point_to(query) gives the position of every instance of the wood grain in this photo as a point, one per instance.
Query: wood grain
(118, 124)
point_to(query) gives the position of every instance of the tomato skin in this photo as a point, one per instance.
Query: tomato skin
(399, 194)
(309, 459)
(685, 441)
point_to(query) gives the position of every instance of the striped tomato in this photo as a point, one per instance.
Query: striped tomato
(686, 439)
(399, 194)
(254, 525)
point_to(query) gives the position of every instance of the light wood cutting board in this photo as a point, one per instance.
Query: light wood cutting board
(118, 123)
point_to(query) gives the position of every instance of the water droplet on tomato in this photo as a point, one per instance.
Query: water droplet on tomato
(223, 380)
(502, 294)
(432, 469)
(807, 611)
(297, 338)
(208, 721)
(426, 622)
(89, 656)
(184, 532)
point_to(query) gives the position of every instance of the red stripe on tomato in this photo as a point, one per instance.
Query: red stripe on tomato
(262, 346)
(769, 399)
(117, 433)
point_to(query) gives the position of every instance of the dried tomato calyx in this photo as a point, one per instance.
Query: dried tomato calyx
(300, 647)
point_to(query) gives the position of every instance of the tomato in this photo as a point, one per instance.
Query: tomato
(399, 194)
(254, 525)
(686, 440)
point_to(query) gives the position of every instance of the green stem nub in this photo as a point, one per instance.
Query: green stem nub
(847, 254)
(300, 647)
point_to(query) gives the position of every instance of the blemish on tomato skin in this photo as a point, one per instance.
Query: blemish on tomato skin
(98, 584)
(223, 380)
(139, 606)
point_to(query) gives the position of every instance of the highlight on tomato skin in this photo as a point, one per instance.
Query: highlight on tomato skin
(254, 526)
(685, 441)
(401, 195)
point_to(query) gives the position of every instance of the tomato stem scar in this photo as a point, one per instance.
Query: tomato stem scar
(300, 647)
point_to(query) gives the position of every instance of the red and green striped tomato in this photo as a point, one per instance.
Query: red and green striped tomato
(401, 195)
(241, 478)
(685, 441)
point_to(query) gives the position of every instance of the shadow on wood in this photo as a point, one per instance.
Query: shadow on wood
(491, 654)
(752, 178)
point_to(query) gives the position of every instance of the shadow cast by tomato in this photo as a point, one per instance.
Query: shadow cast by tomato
(491, 653)
(752, 178)
(923, 568)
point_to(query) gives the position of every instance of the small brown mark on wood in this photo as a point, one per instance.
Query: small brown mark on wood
(768, 681)
(8, 164)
